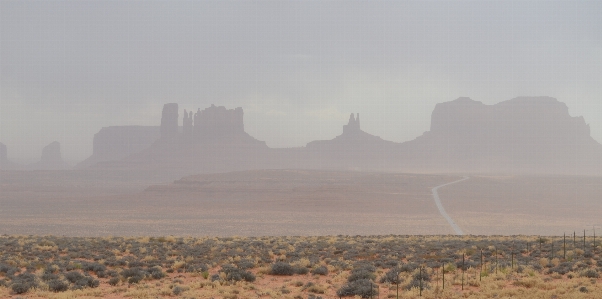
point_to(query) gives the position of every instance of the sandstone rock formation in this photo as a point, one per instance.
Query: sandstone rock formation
(354, 149)
(353, 126)
(527, 135)
(52, 152)
(169, 121)
(117, 142)
(3, 152)
(187, 123)
(6, 164)
(51, 159)
(522, 135)
(218, 122)
(212, 140)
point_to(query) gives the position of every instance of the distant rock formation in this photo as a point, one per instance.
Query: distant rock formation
(527, 135)
(212, 140)
(353, 126)
(352, 136)
(187, 123)
(169, 121)
(3, 152)
(522, 135)
(117, 142)
(354, 149)
(52, 152)
(6, 164)
(218, 122)
(51, 159)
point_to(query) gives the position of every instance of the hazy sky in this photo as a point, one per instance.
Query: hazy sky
(297, 68)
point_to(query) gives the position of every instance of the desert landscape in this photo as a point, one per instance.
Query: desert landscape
(299, 267)
(228, 235)
(297, 202)
(300, 149)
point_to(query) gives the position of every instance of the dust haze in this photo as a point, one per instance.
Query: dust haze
(254, 118)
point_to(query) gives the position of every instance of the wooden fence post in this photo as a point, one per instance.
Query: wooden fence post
(443, 272)
(564, 246)
(481, 266)
(496, 264)
(462, 271)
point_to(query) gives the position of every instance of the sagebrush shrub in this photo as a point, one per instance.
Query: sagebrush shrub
(590, 273)
(114, 281)
(392, 276)
(361, 287)
(236, 274)
(177, 290)
(281, 268)
(57, 285)
(416, 283)
(135, 279)
(20, 287)
(322, 270)
(73, 276)
(301, 270)
(361, 274)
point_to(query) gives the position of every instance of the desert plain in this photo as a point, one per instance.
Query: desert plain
(297, 234)
(294, 202)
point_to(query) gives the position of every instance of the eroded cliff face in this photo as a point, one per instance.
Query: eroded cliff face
(525, 134)
(217, 121)
(3, 152)
(51, 158)
(169, 121)
(52, 153)
(117, 142)
(524, 119)
(210, 140)
(6, 164)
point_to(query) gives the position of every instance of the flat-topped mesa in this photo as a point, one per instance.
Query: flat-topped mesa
(353, 126)
(169, 121)
(3, 152)
(523, 118)
(217, 121)
(521, 135)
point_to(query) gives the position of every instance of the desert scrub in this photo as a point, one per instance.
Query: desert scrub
(420, 279)
(57, 285)
(590, 273)
(120, 263)
(364, 288)
(321, 270)
(235, 274)
(281, 268)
